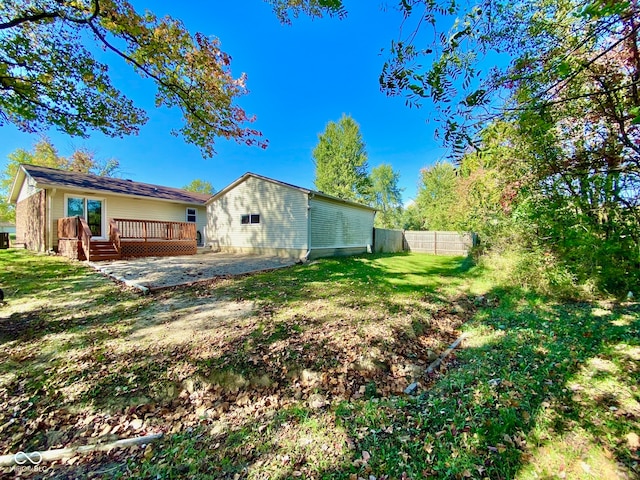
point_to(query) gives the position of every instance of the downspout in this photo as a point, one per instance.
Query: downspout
(306, 255)
(49, 229)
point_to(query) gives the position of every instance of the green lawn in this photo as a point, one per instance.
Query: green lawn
(299, 373)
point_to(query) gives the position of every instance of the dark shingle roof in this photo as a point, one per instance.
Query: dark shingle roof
(62, 178)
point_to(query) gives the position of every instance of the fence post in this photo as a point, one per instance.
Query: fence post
(373, 241)
(435, 243)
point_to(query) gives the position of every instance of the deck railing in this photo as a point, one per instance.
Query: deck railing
(76, 228)
(155, 230)
(68, 227)
(131, 238)
(114, 235)
(84, 235)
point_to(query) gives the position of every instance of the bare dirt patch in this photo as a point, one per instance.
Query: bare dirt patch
(182, 320)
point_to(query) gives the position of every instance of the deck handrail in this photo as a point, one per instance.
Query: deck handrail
(84, 235)
(155, 229)
(114, 235)
(68, 227)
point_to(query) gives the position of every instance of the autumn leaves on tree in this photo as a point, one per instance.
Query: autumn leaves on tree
(49, 75)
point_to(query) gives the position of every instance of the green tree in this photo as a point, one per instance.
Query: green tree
(341, 161)
(200, 186)
(485, 185)
(386, 196)
(437, 200)
(411, 219)
(567, 167)
(45, 154)
(285, 9)
(49, 75)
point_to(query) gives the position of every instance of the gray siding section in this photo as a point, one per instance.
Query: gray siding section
(336, 252)
(336, 225)
(283, 219)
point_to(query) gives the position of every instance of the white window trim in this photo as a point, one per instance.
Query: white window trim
(103, 227)
(195, 214)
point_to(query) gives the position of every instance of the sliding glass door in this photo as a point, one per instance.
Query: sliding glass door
(94, 217)
(91, 209)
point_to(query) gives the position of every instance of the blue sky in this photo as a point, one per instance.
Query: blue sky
(299, 76)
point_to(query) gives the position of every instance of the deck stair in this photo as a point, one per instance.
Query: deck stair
(103, 250)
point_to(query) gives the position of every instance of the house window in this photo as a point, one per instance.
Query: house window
(248, 219)
(191, 215)
(75, 207)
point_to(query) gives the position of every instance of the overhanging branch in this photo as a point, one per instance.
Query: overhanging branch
(177, 89)
(35, 17)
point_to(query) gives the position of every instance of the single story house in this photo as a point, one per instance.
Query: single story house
(92, 217)
(98, 218)
(256, 214)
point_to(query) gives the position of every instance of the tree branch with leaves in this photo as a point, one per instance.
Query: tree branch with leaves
(49, 75)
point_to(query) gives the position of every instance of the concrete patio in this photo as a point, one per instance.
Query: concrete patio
(153, 273)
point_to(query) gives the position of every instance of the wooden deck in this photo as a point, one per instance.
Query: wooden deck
(127, 239)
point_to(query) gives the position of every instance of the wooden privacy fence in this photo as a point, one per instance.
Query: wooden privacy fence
(437, 243)
(387, 241)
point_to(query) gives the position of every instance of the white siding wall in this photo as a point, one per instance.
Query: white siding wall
(336, 225)
(283, 217)
(28, 188)
(130, 208)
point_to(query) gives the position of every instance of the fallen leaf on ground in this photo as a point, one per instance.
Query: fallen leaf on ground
(148, 452)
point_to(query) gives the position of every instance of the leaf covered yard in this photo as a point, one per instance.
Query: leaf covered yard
(301, 372)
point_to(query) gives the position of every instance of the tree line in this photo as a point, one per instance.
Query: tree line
(546, 148)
